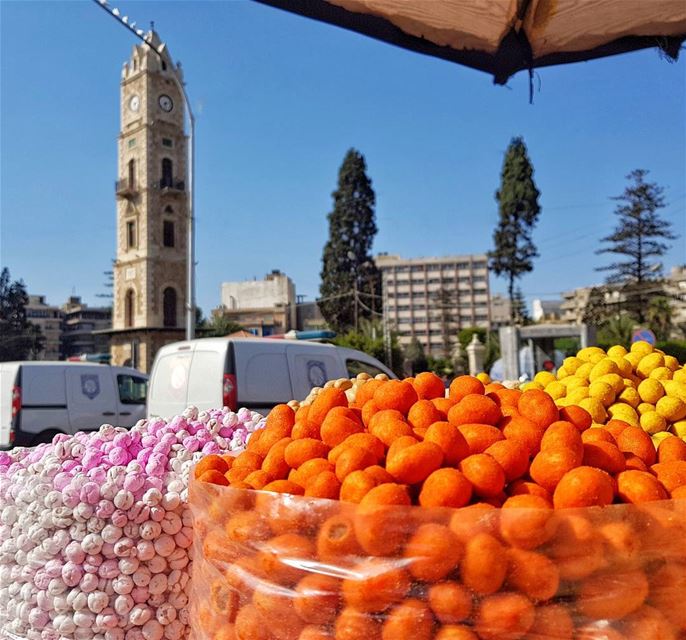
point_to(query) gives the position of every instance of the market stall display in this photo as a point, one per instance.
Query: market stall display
(642, 386)
(95, 533)
(492, 513)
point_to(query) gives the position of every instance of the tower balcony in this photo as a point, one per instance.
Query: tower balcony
(171, 185)
(125, 188)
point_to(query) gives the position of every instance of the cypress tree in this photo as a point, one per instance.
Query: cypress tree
(638, 238)
(350, 281)
(518, 212)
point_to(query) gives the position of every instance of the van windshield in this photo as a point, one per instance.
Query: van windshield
(170, 378)
(356, 367)
(132, 389)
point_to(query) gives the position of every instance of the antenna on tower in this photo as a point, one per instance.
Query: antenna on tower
(152, 25)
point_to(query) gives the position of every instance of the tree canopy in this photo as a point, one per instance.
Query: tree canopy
(637, 243)
(19, 338)
(350, 282)
(518, 212)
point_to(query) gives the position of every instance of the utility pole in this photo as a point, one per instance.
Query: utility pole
(356, 307)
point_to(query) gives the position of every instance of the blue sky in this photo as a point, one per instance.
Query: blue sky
(279, 100)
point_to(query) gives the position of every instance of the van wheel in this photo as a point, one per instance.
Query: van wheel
(44, 436)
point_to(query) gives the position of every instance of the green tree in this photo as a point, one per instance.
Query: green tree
(219, 326)
(639, 239)
(617, 330)
(442, 367)
(659, 317)
(521, 313)
(19, 338)
(518, 212)
(415, 357)
(444, 306)
(596, 311)
(370, 340)
(350, 280)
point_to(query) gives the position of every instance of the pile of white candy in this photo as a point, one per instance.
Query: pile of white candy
(95, 534)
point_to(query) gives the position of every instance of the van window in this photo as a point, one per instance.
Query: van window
(267, 379)
(132, 389)
(356, 367)
(171, 378)
(205, 381)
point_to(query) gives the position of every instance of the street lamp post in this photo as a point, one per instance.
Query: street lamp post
(190, 230)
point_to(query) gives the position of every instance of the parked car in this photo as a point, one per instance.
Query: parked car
(244, 372)
(41, 399)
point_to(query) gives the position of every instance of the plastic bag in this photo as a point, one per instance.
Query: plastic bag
(279, 567)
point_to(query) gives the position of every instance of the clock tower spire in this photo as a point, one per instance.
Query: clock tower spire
(152, 208)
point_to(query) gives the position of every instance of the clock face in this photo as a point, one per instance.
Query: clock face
(134, 103)
(166, 103)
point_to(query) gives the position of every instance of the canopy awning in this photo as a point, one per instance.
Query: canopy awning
(502, 37)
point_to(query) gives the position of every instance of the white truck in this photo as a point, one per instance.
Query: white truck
(41, 399)
(257, 373)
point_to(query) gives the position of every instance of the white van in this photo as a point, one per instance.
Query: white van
(41, 399)
(256, 373)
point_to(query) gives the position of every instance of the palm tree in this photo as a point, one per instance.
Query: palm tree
(617, 330)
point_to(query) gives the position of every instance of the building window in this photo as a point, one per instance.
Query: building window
(169, 306)
(128, 308)
(167, 142)
(132, 142)
(132, 173)
(164, 65)
(168, 210)
(168, 233)
(166, 172)
(131, 235)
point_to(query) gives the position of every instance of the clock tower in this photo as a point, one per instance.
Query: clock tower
(152, 208)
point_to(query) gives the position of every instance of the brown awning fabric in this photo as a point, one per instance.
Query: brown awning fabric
(502, 37)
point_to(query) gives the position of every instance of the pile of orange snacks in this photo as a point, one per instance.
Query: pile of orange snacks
(406, 515)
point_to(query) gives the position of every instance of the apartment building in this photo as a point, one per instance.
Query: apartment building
(431, 299)
(263, 307)
(49, 319)
(83, 327)
(673, 287)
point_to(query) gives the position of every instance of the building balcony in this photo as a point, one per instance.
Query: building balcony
(125, 188)
(171, 185)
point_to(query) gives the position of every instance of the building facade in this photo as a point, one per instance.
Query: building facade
(500, 311)
(84, 328)
(262, 307)
(152, 208)
(431, 299)
(546, 310)
(49, 319)
(673, 287)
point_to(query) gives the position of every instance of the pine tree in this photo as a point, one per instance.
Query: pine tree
(521, 313)
(637, 237)
(444, 305)
(596, 311)
(518, 212)
(19, 338)
(350, 279)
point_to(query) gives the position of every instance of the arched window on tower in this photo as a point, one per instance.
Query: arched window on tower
(169, 307)
(129, 300)
(132, 173)
(166, 173)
